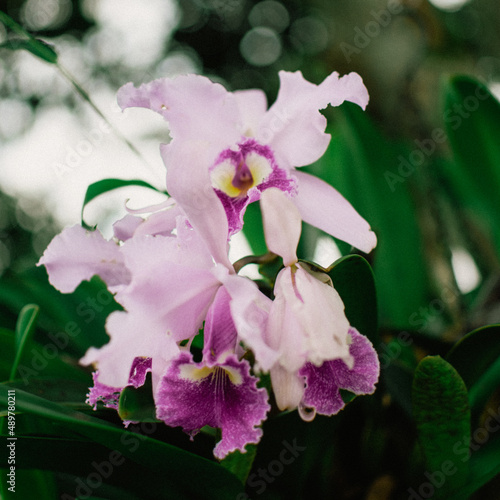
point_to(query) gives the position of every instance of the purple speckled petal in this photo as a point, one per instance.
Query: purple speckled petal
(140, 368)
(108, 395)
(324, 382)
(191, 395)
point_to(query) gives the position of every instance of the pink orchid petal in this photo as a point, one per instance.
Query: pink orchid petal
(307, 322)
(252, 105)
(250, 311)
(167, 283)
(294, 127)
(195, 108)
(282, 224)
(162, 222)
(219, 331)
(193, 191)
(324, 207)
(124, 228)
(76, 255)
(132, 335)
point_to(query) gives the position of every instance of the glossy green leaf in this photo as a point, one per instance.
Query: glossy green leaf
(253, 229)
(28, 42)
(138, 404)
(484, 464)
(66, 391)
(106, 185)
(353, 279)
(24, 330)
(6, 352)
(442, 414)
(472, 120)
(364, 166)
(27, 482)
(148, 452)
(477, 358)
(240, 464)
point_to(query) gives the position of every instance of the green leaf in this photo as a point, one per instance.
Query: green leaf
(442, 414)
(24, 330)
(61, 390)
(240, 464)
(138, 404)
(31, 44)
(353, 279)
(6, 352)
(106, 185)
(472, 120)
(484, 465)
(477, 358)
(253, 229)
(155, 455)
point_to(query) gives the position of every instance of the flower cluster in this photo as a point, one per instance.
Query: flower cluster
(171, 272)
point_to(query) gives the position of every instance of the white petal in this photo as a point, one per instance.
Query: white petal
(282, 224)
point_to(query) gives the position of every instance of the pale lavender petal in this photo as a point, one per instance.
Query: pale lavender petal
(219, 331)
(294, 127)
(252, 105)
(76, 255)
(132, 336)
(191, 395)
(160, 223)
(282, 224)
(346, 88)
(324, 207)
(124, 228)
(324, 382)
(250, 312)
(288, 387)
(192, 189)
(306, 321)
(171, 285)
(195, 108)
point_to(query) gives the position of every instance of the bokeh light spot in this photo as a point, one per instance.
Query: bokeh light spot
(261, 46)
(270, 14)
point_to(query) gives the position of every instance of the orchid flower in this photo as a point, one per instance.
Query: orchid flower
(219, 391)
(168, 286)
(318, 351)
(227, 149)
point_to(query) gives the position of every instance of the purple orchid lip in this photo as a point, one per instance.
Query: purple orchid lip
(240, 174)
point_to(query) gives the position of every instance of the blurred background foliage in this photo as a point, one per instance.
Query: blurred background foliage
(431, 199)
